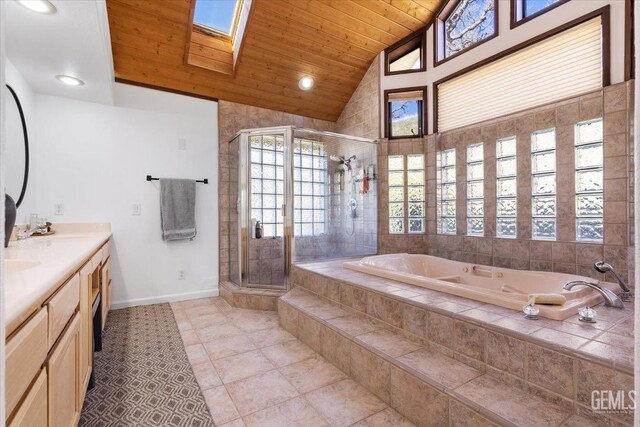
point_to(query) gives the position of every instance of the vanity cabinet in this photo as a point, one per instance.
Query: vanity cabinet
(49, 356)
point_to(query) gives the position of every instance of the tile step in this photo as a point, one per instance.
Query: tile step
(480, 392)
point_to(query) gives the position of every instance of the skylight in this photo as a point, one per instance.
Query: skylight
(217, 15)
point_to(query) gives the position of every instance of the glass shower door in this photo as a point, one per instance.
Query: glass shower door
(266, 205)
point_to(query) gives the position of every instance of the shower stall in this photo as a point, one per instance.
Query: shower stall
(301, 195)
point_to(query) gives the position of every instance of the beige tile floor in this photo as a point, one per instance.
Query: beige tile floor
(254, 373)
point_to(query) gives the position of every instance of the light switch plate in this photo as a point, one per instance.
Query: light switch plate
(58, 209)
(180, 274)
(136, 209)
(182, 144)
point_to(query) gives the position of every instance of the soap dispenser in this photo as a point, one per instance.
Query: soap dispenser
(258, 230)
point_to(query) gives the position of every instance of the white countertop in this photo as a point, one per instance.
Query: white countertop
(58, 257)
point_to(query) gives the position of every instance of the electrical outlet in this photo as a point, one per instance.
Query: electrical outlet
(136, 209)
(180, 274)
(58, 209)
(182, 144)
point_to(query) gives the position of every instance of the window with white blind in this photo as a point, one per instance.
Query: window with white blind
(475, 190)
(506, 188)
(446, 192)
(562, 66)
(543, 184)
(589, 179)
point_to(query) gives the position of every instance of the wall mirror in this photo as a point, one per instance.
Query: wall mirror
(17, 148)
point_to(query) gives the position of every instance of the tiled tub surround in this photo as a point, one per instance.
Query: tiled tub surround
(254, 373)
(503, 287)
(614, 104)
(505, 368)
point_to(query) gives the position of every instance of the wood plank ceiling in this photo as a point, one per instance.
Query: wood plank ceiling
(332, 40)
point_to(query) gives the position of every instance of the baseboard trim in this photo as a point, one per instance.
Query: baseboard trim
(165, 298)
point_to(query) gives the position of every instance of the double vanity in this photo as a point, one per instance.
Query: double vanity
(57, 297)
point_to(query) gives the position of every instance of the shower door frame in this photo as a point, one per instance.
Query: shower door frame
(244, 203)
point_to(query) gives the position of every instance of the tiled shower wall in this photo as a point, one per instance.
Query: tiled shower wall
(614, 105)
(233, 117)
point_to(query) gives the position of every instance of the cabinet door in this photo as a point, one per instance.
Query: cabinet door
(86, 327)
(105, 279)
(63, 370)
(33, 410)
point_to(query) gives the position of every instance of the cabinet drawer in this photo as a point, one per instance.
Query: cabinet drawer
(62, 306)
(26, 351)
(33, 410)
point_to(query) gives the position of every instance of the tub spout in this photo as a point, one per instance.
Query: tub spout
(611, 299)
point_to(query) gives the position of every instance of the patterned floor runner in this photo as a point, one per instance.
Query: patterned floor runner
(143, 376)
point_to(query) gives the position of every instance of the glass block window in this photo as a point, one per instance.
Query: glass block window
(475, 190)
(506, 188)
(309, 187)
(396, 194)
(589, 180)
(446, 191)
(543, 184)
(415, 193)
(267, 182)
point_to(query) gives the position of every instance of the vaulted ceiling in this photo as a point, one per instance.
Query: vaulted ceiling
(334, 41)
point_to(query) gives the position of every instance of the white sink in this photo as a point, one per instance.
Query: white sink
(15, 265)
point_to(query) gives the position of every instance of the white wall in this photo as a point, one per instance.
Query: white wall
(93, 158)
(508, 38)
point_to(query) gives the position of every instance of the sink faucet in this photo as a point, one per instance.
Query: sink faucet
(26, 233)
(604, 267)
(610, 298)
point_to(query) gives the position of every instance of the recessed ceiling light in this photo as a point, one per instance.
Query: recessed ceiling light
(40, 6)
(306, 82)
(68, 80)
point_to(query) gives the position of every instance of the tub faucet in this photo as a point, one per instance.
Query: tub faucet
(610, 298)
(604, 267)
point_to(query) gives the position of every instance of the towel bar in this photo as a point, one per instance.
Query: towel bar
(150, 178)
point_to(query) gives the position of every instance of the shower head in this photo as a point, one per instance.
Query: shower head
(342, 160)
